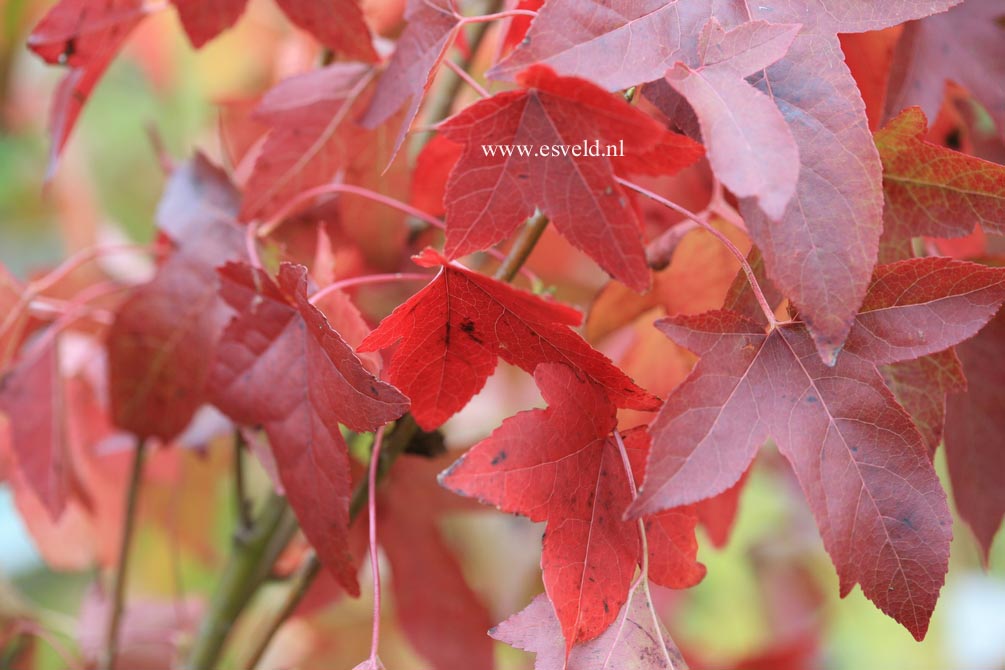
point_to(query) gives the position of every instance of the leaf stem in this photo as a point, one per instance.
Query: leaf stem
(367, 279)
(268, 227)
(395, 445)
(111, 647)
(465, 20)
(468, 79)
(747, 270)
(374, 558)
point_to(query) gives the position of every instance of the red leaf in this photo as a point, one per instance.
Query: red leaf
(431, 29)
(578, 37)
(85, 35)
(573, 477)
(280, 365)
(922, 385)
(750, 146)
(163, 341)
(922, 306)
(861, 463)
(519, 25)
(453, 330)
(31, 395)
(437, 609)
(933, 191)
(310, 135)
(337, 24)
(488, 196)
(637, 640)
(432, 169)
(718, 513)
(205, 19)
(975, 424)
(930, 52)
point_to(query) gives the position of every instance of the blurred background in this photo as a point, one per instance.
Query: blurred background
(770, 598)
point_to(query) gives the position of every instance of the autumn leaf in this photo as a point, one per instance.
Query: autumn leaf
(432, 27)
(922, 386)
(934, 191)
(637, 641)
(489, 196)
(310, 133)
(205, 19)
(280, 365)
(561, 465)
(930, 53)
(162, 343)
(439, 612)
(86, 36)
(975, 424)
(454, 329)
(32, 397)
(337, 24)
(861, 462)
(750, 146)
(834, 221)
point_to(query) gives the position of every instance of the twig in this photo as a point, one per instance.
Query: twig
(122, 567)
(246, 570)
(241, 500)
(443, 100)
(522, 247)
(374, 559)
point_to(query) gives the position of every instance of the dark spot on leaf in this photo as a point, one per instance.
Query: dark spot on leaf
(907, 522)
(607, 608)
(811, 399)
(499, 458)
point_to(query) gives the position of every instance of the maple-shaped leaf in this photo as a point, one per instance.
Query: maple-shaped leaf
(205, 19)
(561, 465)
(921, 306)
(455, 328)
(280, 365)
(163, 341)
(577, 37)
(637, 640)
(822, 250)
(862, 464)
(337, 24)
(438, 611)
(431, 29)
(310, 121)
(85, 35)
(930, 53)
(934, 191)
(922, 386)
(489, 196)
(32, 397)
(975, 424)
(750, 146)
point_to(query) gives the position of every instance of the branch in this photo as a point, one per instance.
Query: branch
(122, 568)
(524, 244)
(247, 568)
